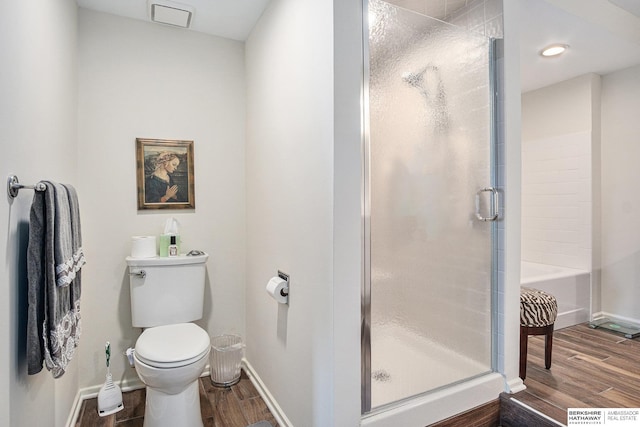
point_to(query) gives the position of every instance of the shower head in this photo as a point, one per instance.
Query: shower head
(414, 79)
(417, 79)
(432, 90)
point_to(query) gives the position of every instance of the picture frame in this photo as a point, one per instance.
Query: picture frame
(165, 174)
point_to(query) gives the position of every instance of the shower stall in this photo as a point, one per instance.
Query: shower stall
(430, 206)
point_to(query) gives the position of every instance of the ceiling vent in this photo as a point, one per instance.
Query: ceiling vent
(170, 13)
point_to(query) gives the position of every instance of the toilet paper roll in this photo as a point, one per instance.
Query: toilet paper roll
(276, 287)
(143, 246)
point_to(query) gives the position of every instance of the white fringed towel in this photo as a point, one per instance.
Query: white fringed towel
(69, 257)
(54, 260)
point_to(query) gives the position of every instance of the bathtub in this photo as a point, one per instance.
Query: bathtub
(571, 287)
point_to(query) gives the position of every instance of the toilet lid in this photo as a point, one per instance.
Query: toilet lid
(172, 345)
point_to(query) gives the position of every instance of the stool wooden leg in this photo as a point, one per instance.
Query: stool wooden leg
(548, 344)
(524, 341)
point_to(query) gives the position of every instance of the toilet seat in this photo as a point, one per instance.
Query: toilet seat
(170, 346)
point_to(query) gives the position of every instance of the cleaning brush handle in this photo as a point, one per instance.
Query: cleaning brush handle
(107, 350)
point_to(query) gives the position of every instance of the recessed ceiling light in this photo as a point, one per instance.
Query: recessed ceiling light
(554, 50)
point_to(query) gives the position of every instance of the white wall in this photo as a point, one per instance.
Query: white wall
(620, 195)
(559, 141)
(290, 205)
(38, 132)
(142, 80)
(347, 211)
(509, 283)
(139, 79)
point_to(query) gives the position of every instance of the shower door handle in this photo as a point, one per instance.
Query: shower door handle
(493, 214)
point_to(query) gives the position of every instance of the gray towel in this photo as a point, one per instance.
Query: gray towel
(68, 248)
(53, 323)
(76, 243)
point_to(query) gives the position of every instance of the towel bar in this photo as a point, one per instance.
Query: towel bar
(14, 186)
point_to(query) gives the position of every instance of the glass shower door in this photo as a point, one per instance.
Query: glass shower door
(429, 204)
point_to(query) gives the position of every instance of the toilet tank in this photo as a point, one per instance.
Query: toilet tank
(166, 290)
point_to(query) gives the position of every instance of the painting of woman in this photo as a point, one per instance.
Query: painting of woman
(165, 174)
(159, 187)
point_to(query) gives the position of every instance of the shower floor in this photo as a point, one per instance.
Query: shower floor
(404, 364)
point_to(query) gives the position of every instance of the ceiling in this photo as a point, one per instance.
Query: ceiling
(603, 35)
(232, 19)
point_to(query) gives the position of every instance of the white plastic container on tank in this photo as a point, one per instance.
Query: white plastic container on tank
(166, 290)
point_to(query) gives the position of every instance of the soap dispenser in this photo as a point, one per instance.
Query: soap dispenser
(173, 247)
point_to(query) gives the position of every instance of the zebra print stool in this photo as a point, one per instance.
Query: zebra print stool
(538, 312)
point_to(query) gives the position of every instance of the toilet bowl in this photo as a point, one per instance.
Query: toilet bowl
(167, 294)
(169, 360)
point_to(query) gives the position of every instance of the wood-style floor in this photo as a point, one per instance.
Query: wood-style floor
(591, 368)
(237, 406)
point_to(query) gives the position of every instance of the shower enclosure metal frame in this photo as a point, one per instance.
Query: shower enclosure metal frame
(366, 216)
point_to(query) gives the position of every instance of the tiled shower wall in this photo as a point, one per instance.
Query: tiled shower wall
(556, 200)
(559, 131)
(481, 16)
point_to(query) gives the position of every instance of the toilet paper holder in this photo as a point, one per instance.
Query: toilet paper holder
(284, 276)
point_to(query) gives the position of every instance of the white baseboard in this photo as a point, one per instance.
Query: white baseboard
(515, 385)
(268, 398)
(571, 318)
(135, 384)
(92, 391)
(621, 319)
(75, 410)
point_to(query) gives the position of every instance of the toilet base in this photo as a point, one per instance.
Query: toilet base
(170, 410)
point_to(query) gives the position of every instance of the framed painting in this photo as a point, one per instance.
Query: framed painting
(165, 174)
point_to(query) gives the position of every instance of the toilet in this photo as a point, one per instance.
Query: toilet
(167, 293)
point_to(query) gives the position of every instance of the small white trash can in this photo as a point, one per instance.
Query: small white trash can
(225, 358)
